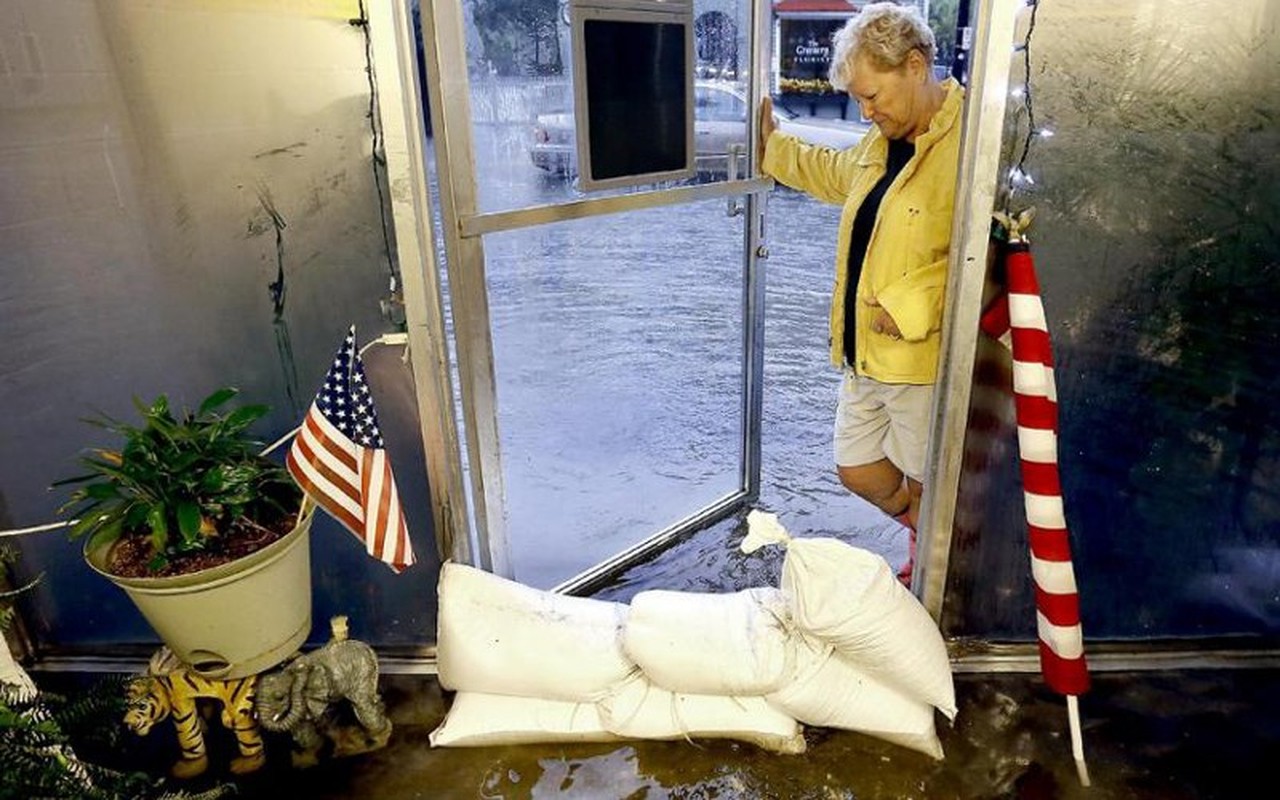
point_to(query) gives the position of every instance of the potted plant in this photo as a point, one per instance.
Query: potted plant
(207, 536)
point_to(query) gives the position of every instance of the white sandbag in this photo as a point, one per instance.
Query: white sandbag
(833, 692)
(697, 643)
(477, 719)
(850, 597)
(501, 637)
(639, 710)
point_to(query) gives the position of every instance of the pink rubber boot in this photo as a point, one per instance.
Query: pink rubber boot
(904, 574)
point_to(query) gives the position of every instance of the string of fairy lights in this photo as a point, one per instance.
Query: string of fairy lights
(1017, 178)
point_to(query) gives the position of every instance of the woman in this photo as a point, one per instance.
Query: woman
(897, 189)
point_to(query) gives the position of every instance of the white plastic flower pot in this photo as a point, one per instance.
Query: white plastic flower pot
(233, 620)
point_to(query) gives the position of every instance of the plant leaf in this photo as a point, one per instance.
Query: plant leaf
(216, 399)
(242, 417)
(157, 518)
(109, 532)
(189, 520)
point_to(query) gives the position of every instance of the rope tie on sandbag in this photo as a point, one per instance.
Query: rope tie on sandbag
(608, 700)
(573, 715)
(763, 528)
(680, 723)
(786, 622)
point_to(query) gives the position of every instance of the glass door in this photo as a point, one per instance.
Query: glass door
(607, 342)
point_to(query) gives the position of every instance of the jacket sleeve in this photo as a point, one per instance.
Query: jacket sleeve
(915, 300)
(823, 172)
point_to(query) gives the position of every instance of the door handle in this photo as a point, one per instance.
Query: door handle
(736, 150)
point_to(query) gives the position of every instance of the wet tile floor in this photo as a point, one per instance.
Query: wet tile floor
(1170, 734)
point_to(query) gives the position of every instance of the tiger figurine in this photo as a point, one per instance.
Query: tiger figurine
(170, 688)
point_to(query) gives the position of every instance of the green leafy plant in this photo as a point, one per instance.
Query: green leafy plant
(182, 480)
(38, 744)
(34, 746)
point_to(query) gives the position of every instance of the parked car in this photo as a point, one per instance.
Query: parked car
(720, 120)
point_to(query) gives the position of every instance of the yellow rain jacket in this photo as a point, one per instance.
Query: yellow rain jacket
(906, 264)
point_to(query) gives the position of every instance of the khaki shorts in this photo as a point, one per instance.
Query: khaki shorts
(877, 420)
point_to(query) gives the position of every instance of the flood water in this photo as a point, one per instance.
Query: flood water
(1148, 736)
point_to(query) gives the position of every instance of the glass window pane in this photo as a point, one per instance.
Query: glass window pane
(798, 478)
(617, 347)
(1154, 242)
(522, 100)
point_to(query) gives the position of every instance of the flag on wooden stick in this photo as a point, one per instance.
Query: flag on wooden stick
(338, 459)
(1017, 319)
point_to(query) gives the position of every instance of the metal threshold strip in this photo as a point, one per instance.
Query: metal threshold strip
(604, 571)
(133, 659)
(992, 658)
(1119, 656)
(480, 224)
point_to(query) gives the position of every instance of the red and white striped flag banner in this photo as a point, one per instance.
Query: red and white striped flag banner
(339, 460)
(1017, 319)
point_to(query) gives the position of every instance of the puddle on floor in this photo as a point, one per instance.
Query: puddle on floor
(1159, 735)
(1147, 735)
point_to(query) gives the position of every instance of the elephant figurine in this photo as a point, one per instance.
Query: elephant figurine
(299, 699)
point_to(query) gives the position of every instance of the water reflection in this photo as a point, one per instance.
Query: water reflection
(798, 480)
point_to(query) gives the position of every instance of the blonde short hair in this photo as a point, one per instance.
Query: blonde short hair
(883, 33)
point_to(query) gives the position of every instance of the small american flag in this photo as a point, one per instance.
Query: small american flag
(339, 460)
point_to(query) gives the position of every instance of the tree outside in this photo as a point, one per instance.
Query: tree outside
(943, 21)
(520, 37)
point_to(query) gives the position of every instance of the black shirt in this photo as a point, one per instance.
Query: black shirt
(900, 152)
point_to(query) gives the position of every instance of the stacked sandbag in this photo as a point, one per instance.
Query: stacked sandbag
(526, 665)
(535, 666)
(706, 661)
(883, 642)
(639, 709)
(831, 690)
(704, 643)
(497, 636)
(840, 644)
(480, 719)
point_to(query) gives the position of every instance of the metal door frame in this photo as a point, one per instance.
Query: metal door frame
(977, 182)
(475, 518)
(399, 104)
(486, 543)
